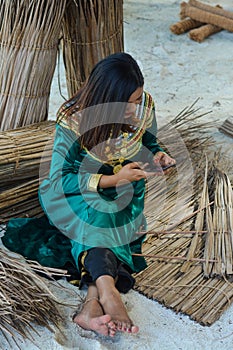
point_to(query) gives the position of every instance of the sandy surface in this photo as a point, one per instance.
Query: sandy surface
(177, 71)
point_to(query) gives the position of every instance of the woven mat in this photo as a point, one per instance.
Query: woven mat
(203, 299)
(190, 263)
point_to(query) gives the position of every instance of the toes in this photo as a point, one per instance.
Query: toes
(119, 326)
(112, 328)
(111, 332)
(127, 327)
(134, 329)
(112, 325)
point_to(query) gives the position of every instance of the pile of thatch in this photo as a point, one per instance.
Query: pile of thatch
(91, 31)
(23, 151)
(29, 36)
(26, 300)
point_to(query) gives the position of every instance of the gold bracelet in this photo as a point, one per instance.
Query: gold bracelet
(93, 182)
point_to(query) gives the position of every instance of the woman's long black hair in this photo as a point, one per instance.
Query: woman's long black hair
(113, 79)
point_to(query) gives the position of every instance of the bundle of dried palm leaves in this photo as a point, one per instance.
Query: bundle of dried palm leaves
(29, 36)
(186, 138)
(23, 151)
(91, 30)
(20, 200)
(25, 298)
(25, 155)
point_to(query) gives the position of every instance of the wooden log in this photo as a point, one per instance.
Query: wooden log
(217, 10)
(184, 26)
(217, 16)
(199, 34)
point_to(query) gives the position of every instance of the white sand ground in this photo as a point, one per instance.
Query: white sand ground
(177, 71)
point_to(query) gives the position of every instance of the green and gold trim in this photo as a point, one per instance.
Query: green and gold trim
(94, 182)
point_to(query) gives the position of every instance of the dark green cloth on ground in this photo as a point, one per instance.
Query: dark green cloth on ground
(36, 239)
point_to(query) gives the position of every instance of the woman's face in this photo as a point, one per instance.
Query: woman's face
(134, 100)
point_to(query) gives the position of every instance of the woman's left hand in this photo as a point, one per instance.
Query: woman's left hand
(163, 160)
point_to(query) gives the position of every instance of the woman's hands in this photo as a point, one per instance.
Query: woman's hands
(137, 171)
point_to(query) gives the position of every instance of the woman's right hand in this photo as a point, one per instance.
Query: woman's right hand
(128, 173)
(131, 172)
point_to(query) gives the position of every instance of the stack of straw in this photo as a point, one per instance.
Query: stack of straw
(202, 20)
(91, 31)
(29, 37)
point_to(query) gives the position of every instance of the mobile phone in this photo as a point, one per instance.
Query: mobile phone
(154, 168)
(168, 166)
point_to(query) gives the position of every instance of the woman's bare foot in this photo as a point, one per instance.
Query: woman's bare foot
(113, 305)
(92, 318)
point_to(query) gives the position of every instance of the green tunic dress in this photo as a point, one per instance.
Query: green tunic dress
(79, 214)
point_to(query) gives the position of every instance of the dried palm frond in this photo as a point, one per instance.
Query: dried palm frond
(91, 30)
(25, 300)
(29, 36)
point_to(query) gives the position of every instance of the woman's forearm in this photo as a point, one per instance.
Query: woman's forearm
(108, 181)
